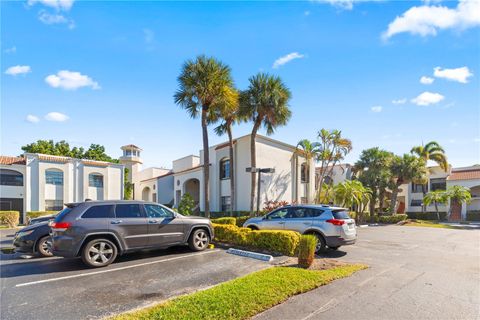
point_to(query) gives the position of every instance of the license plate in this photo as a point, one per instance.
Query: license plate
(350, 226)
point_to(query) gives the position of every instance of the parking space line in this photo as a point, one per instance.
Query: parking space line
(111, 270)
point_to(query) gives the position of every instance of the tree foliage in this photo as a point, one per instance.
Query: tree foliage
(186, 205)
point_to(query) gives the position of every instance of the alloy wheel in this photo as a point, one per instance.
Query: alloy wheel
(100, 253)
(201, 239)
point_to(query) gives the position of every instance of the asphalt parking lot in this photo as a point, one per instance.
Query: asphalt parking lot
(57, 288)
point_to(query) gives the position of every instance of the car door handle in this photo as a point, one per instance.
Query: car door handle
(281, 222)
(116, 221)
(307, 223)
(152, 221)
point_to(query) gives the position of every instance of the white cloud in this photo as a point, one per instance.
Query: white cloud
(10, 50)
(148, 36)
(427, 98)
(56, 116)
(376, 109)
(343, 4)
(476, 140)
(458, 74)
(307, 13)
(55, 18)
(426, 80)
(32, 118)
(287, 58)
(16, 70)
(70, 80)
(400, 101)
(427, 20)
(64, 5)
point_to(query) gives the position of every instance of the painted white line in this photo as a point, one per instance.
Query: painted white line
(111, 270)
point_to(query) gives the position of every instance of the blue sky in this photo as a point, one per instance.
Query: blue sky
(98, 72)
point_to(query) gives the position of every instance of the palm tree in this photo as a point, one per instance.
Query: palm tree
(265, 102)
(436, 197)
(229, 117)
(434, 152)
(457, 195)
(205, 86)
(404, 170)
(309, 150)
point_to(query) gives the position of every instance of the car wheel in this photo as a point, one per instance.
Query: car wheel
(252, 228)
(334, 248)
(199, 240)
(44, 247)
(321, 245)
(99, 253)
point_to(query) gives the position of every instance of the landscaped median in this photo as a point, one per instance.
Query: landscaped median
(244, 297)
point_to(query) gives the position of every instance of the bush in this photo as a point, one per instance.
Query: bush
(10, 218)
(225, 220)
(272, 205)
(35, 214)
(473, 215)
(186, 205)
(306, 250)
(241, 220)
(392, 219)
(426, 215)
(275, 241)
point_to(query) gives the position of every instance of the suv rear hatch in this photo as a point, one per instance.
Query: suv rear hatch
(346, 223)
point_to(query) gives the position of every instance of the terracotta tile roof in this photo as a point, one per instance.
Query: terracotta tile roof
(160, 176)
(11, 160)
(186, 170)
(96, 163)
(131, 146)
(46, 157)
(465, 175)
(223, 145)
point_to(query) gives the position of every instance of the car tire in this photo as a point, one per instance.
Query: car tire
(99, 253)
(43, 247)
(199, 240)
(252, 227)
(321, 245)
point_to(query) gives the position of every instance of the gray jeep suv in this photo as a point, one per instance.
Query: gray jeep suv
(98, 231)
(332, 225)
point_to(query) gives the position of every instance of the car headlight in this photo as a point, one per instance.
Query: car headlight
(24, 233)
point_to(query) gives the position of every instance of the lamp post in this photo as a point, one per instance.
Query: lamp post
(259, 171)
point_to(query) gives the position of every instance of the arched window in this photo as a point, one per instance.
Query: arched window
(54, 176)
(95, 180)
(305, 173)
(225, 168)
(10, 178)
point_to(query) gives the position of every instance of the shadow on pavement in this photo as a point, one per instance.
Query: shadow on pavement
(332, 254)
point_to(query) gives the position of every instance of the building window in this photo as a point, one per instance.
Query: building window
(305, 173)
(128, 153)
(154, 197)
(10, 178)
(95, 180)
(416, 203)
(418, 188)
(226, 203)
(438, 184)
(53, 205)
(225, 169)
(54, 177)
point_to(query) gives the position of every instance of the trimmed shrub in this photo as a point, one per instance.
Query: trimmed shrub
(10, 218)
(241, 220)
(306, 250)
(426, 215)
(275, 241)
(186, 205)
(36, 214)
(225, 220)
(473, 215)
(392, 219)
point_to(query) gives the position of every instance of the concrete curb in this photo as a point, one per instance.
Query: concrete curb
(250, 254)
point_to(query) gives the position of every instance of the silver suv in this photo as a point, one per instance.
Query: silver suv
(98, 231)
(332, 225)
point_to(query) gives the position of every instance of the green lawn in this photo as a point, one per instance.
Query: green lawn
(244, 297)
(429, 224)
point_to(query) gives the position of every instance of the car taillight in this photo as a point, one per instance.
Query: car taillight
(61, 226)
(336, 222)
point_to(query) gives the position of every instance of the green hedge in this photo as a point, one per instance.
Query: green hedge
(426, 215)
(36, 214)
(241, 220)
(473, 215)
(275, 241)
(225, 220)
(10, 218)
(391, 219)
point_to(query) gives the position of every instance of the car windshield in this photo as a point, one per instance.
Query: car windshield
(340, 214)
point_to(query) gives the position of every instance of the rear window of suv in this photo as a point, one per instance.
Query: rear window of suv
(341, 214)
(62, 214)
(103, 211)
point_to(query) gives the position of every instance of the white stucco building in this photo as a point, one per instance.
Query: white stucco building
(38, 182)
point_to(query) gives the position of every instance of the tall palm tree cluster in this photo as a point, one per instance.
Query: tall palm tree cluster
(206, 89)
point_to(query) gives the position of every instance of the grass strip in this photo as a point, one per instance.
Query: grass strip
(243, 297)
(429, 224)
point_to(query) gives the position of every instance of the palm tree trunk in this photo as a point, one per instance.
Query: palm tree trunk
(393, 202)
(436, 209)
(371, 204)
(206, 163)
(307, 181)
(424, 191)
(232, 181)
(253, 163)
(381, 199)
